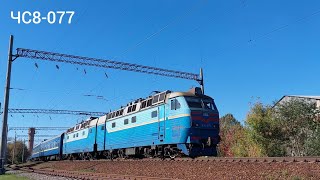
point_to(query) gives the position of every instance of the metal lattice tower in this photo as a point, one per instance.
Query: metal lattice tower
(65, 58)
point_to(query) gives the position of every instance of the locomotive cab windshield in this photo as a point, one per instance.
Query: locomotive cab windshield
(201, 103)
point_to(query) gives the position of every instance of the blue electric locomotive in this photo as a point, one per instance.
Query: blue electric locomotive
(165, 124)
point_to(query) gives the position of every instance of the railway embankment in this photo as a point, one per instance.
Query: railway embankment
(236, 168)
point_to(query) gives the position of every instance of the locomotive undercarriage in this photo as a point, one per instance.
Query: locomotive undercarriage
(160, 151)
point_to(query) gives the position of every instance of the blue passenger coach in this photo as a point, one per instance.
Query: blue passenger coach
(48, 150)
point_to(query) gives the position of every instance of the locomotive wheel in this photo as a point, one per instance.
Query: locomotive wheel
(121, 154)
(170, 152)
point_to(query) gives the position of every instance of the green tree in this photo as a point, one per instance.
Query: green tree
(265, 130)
(235, 141)
(300, 130)
(15, 151)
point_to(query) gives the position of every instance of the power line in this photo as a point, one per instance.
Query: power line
(52, 111)
(40, 135)
(51, 56)
(38, 128)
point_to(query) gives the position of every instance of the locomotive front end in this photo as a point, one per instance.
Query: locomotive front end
(203, 134)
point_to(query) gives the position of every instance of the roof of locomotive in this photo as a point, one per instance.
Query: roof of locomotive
(139, 105)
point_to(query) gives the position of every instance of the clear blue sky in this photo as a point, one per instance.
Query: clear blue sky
(248, 49)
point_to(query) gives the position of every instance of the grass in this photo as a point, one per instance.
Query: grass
(11, 177)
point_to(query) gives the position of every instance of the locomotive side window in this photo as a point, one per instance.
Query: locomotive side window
(155, 99)
(102, 128)
(208, 104)
(133, 119)
(113, 125)
(149, 102)
(161, 98)
(126, 121)
(144, 103)
(90, 131)
(134, 107)
(154, 114)
(175, 104)
(129, 109)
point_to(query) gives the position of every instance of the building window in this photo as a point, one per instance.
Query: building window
(77, 135)
(83, 133)
(113, 125)
(67, 137)
(154, 114)
(126, 121)
(133, 119)
(74, 135)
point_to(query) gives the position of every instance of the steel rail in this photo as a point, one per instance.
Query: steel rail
(88, 175)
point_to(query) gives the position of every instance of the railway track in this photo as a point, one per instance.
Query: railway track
(87, 175)
(179, 168)
(223, 159)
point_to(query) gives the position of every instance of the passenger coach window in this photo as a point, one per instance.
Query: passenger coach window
(133, 119)
(113, 125)
(126, 121)
(154, 114)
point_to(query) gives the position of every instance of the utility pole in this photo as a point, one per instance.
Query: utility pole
(5, 110)
(24, 143)
(14, 147)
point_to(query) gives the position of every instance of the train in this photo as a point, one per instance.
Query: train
(165, 124)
